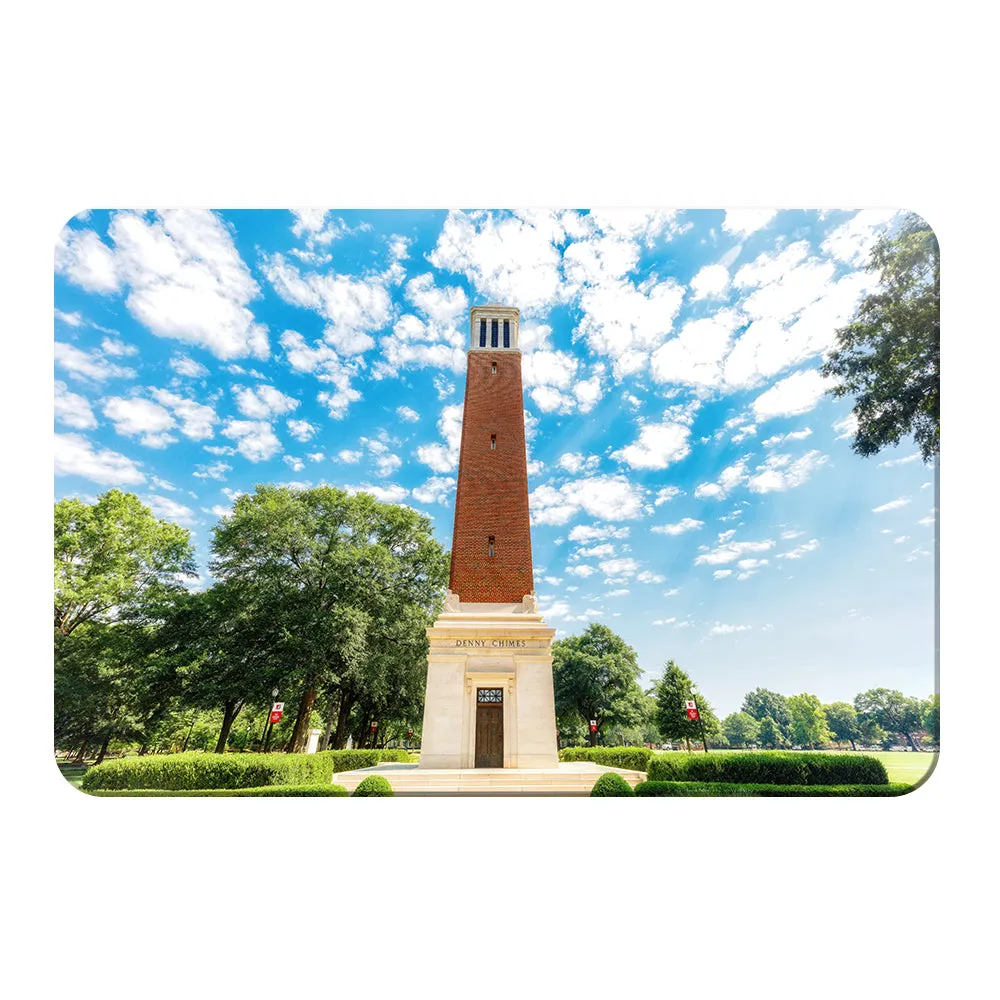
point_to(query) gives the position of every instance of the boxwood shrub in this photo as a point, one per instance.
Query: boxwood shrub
(770, 768)
(611, 784)
(231, 770)
(266, 790)
(373, 785)
(629, 758)
(717, 788)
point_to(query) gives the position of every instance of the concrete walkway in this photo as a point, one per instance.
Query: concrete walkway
(570, 778)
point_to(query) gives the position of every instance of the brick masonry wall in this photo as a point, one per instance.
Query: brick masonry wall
(492, 493)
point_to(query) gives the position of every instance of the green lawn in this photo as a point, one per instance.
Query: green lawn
(73, 773)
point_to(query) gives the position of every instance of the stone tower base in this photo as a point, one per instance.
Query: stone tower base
(505, 646)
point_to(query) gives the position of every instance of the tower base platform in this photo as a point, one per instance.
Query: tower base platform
(569, 778)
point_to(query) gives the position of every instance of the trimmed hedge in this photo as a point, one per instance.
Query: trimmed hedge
(629, 758)
(373, 785)
(611, 784)
(266, 790)
(721, 788)
(769, 767)
(351, 760)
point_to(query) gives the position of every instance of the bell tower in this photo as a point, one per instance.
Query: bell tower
(489, 699)
(491, 545)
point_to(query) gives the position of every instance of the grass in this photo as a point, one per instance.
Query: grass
(73, 773)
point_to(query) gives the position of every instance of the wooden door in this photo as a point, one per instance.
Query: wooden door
(489, 727)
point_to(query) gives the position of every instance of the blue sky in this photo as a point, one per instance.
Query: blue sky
(691, 485)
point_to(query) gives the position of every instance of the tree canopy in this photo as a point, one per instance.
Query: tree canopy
(888, 357)
(672, 691)
(595, 676)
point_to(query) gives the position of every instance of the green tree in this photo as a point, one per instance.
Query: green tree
(595, 676)
(888, 357)
(770, 734)
(672, 691)
(114, 560)
(891, 710)
(808, 725)
(930, 717)
(354, 583)
(761, 703)
(740, 729)
(842, 718)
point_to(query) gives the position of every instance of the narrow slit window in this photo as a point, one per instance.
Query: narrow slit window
(494, 371)
(493, 442)
(494, 333)
(506, 333)
(492, 546)
(482, 333)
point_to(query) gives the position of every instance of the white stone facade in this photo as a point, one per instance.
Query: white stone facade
(489, 645)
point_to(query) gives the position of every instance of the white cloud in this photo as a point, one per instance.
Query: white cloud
(443, 457)
(588, 392)
(406, 414)
(696, 354)
(711, 281)
(666, 494)
(721, 574)
(720, 629)
(141, 418)
(86, 261)
(685, 524)
(295, 464)
(355, 307)
(72, 409)
(729, 551)
(390, 493)
(853, 241)
(323, 362)
(801, 550)
(779, 472)
(118, 348)
(506, 258)
(891, 505)
(197, 419)
(169, 510)
(594, 532)
(443, 387)
(795, 394)
(574, 462)
(731, 477)
(657, 446)
(301, 430)
(386, 462)
(673, 592)
(608, 498)
(256, 440)
(790, 436)
(900, 461)
(647, 576)
(75, 456)
(315, 456)
(619, 567)
(595, 551)
(349, 456)
(741, 222)
(187, 281)
(663, 621)
(217, 470)
(550, 400)
(86, 365)
(262, 402)
(847, 427)
(187, 367)
(621, 592)
(437, 489)
(582, 570)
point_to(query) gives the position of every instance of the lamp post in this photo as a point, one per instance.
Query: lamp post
(265, 736)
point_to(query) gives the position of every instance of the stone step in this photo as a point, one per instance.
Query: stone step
(576, 778)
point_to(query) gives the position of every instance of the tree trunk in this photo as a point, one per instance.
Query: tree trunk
(343, 719)
(231, 709)
(297, 743)
(688, 742)
(853, 747)
(184, 745)
(142, 750)
(909, 739)
(82, 754)
(104, 749)
(592, 736)
(331, 718)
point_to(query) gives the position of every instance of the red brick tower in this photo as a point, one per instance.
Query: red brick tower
(491, 546)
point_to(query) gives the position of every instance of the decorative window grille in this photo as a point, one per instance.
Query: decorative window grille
(492, 546)
(482, 333)
(493, 442)
(489, 696)
(506, 333)
(494, 369)
(494, 333)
